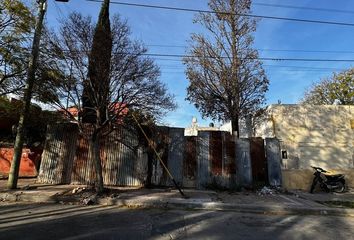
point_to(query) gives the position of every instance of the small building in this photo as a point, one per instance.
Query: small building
(311, 135)
(194, 128)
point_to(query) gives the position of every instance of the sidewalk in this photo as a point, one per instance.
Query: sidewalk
(251, 202)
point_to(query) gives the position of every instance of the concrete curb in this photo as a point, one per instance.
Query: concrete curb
(22, 196)
(217, 206)
(174, 203)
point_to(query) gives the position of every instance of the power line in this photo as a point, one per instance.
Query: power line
(305, 67)
(260, 58)
(303, 51)
(228, 13)
(262, 49)
(269, 66)
(302, 8)
(259, 49)
(283, 71)
(224, 57)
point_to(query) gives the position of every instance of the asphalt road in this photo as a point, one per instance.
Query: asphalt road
(53, 221)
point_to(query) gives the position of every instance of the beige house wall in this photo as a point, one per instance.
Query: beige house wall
(320, 136)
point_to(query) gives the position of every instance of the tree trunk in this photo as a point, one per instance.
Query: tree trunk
(32, 66)
(95, 154)
(15, 165)
(235, 126)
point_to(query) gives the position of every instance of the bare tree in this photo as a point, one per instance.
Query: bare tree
(133, 81)
(337, 89)
(227, 81)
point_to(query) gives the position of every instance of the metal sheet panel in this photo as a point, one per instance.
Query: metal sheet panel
(48, 168)
(83, 168)
(228, 177)
(243, 162)
(66, 158)
(203, 161)
(190, 162)
(58, 155)
(274, 161)
(216, 152)
(229, 166)
(141, 166)
(259, 162)
(175, 154)
(160, 140)
(129, 154)
(122, 156)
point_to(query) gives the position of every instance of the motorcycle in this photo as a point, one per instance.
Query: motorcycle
(328, 182)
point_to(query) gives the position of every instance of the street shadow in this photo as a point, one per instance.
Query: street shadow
(48, 221)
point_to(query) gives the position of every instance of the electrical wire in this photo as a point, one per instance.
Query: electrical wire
(266, 65)
(262, 49)
(260, 58)
(228, 13)
(301, 8)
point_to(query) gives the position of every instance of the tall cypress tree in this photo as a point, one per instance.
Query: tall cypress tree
(96, 88)
(99, 69)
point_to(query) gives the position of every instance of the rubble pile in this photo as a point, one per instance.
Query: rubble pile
(265, 191)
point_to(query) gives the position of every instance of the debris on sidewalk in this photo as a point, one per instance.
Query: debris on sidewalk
(86, 195)
(89, 200)
(265, 191)
(115, 195)
(28, 187)
(78, 190)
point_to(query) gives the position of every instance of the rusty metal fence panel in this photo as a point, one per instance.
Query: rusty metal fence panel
(175, 154)
(211, 158)
(215, 152)
(243, 162)
(274, 161)
(119, 159)
(83, 168)
(259, 162)
(58, 155)
(229, 167)
(127, 155)
(190, 162)
(203, 160)
(66, 158)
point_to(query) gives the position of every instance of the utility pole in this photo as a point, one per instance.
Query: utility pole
(26, 101)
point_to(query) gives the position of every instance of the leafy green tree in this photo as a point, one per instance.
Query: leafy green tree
(16, 25)
(27, 96)
(337, 89)
(36, 125)
(226, 79)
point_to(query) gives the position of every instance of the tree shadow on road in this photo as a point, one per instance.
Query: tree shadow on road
(53, 221)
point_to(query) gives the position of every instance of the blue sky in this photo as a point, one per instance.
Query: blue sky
(167, 32)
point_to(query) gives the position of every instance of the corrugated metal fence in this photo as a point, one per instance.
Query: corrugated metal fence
(211, 159)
